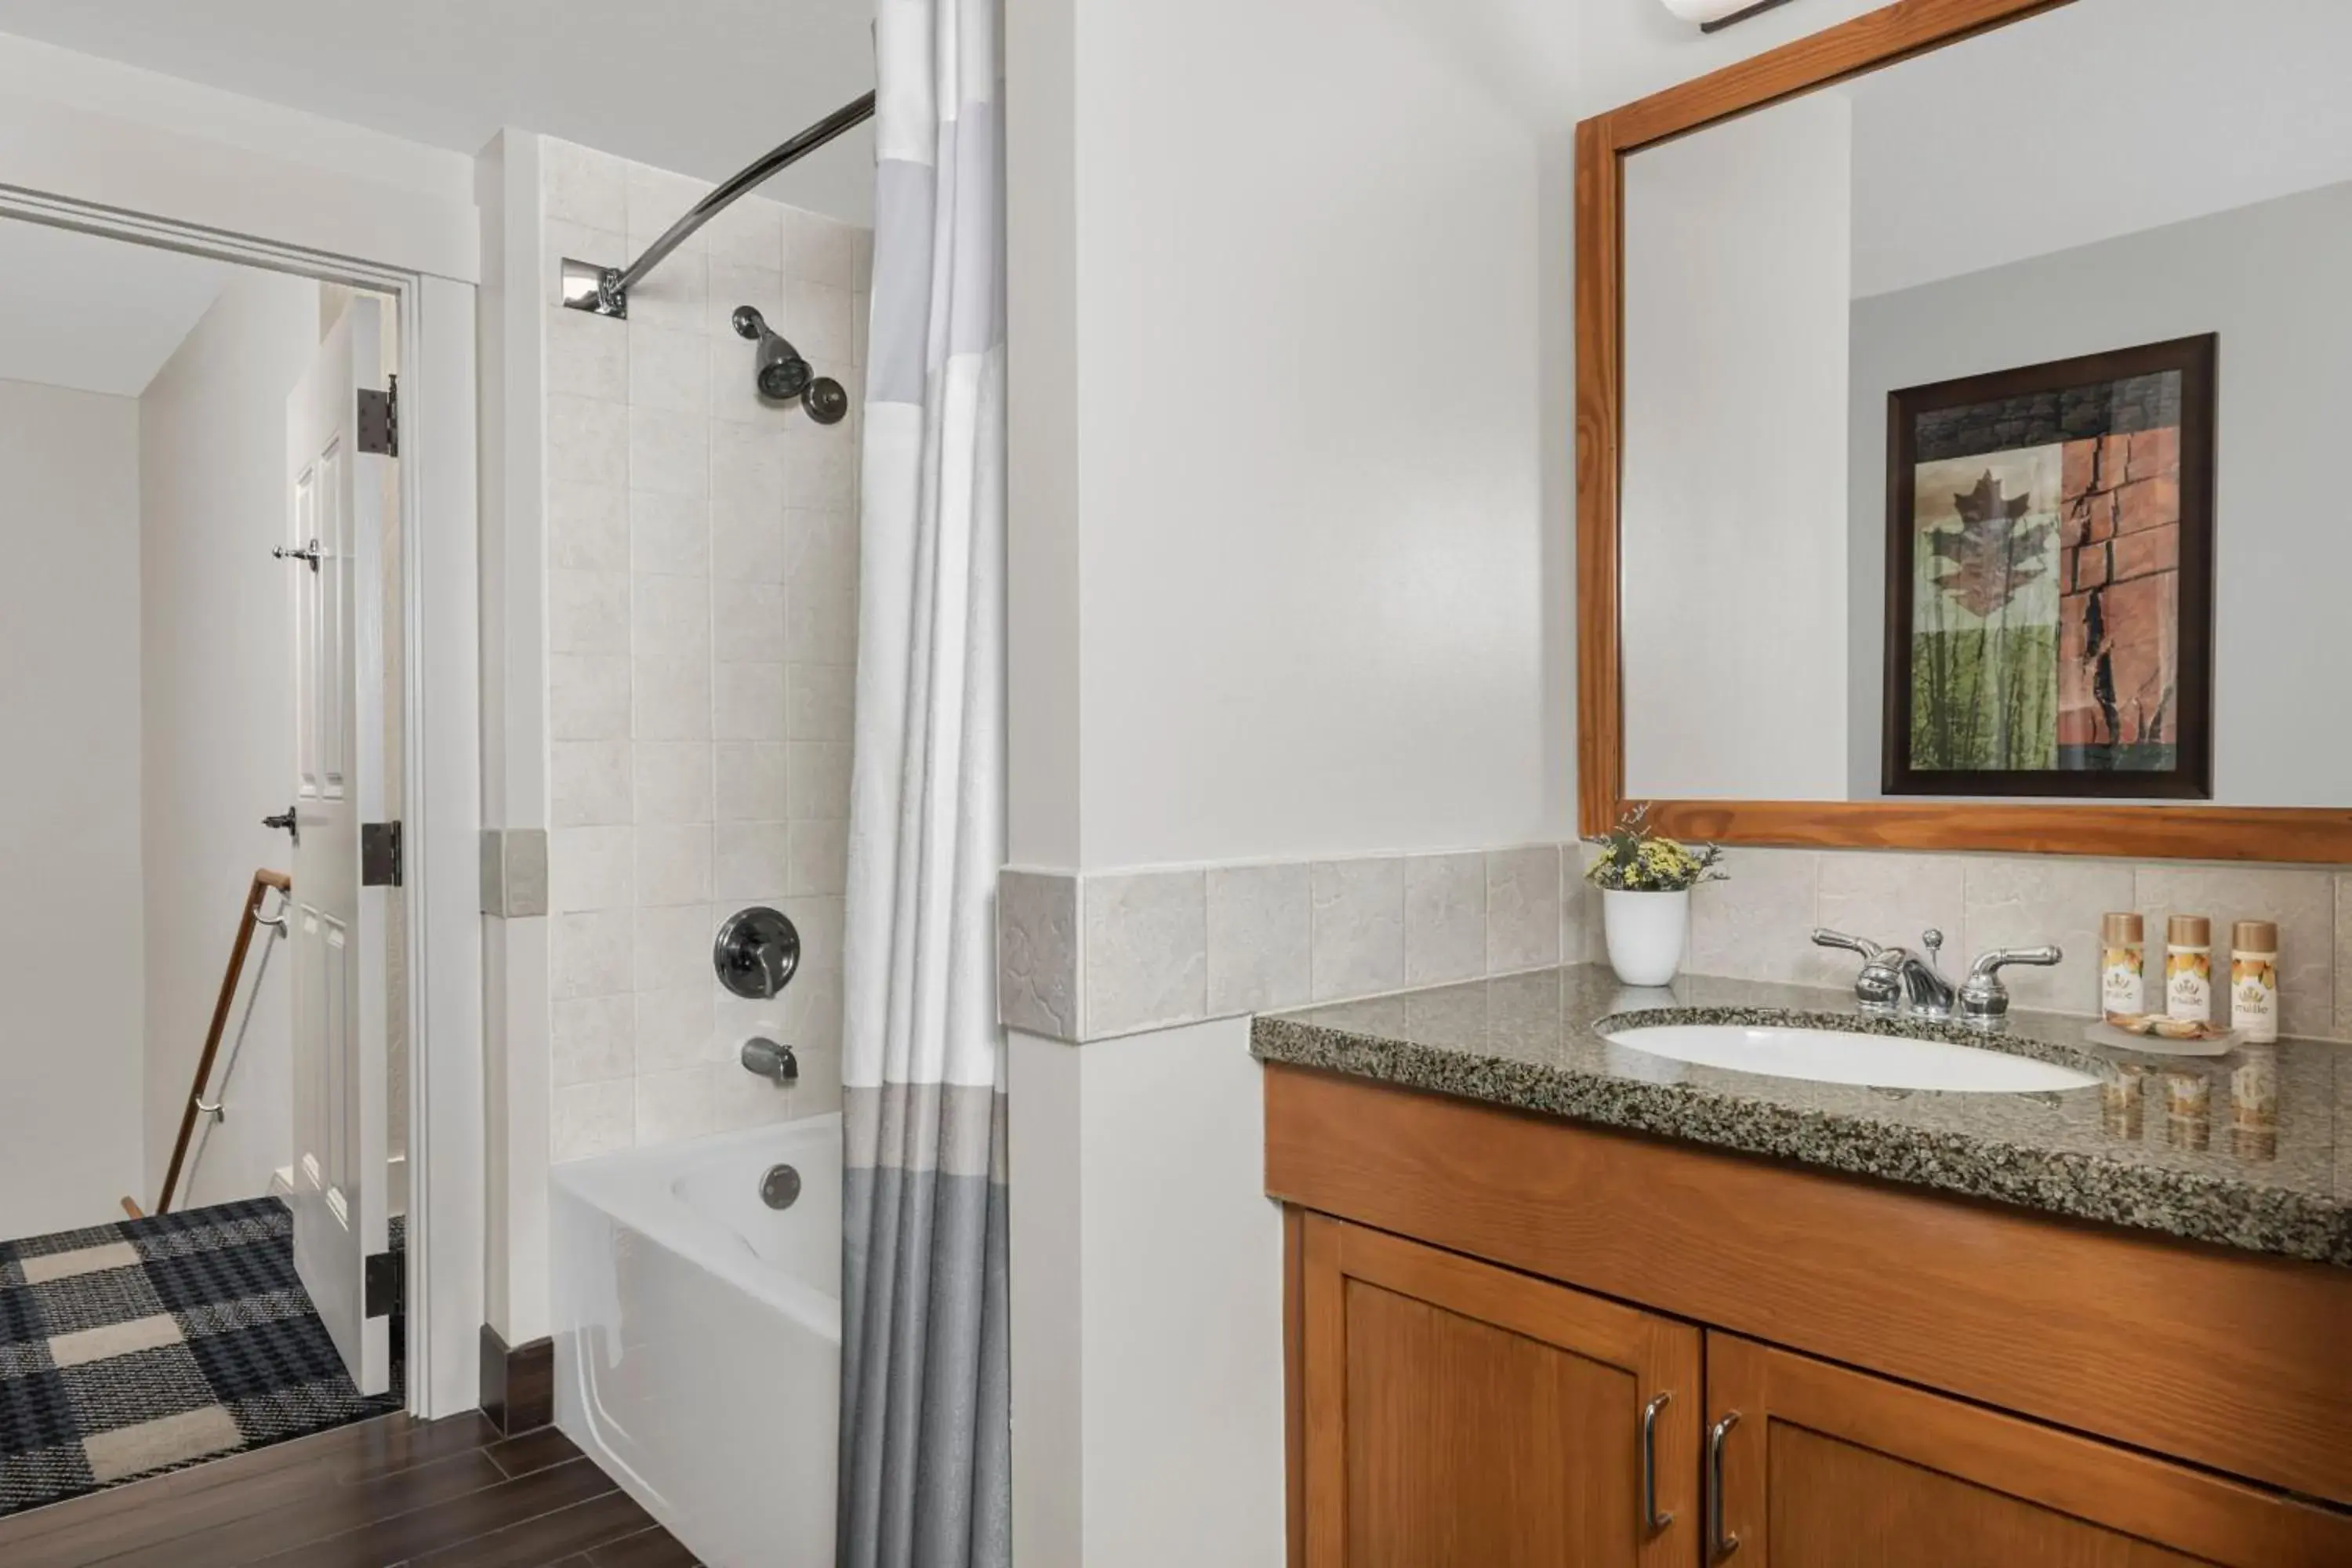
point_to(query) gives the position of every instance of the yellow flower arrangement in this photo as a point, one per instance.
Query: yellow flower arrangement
(1634, 859)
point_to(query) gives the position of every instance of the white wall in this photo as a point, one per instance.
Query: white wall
(2269, 280)
(1310, 446)
(217, 713)
(1738, 254)
(70, 916)
(1147, 1303)
(98, 131)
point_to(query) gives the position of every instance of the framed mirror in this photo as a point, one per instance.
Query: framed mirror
(1958, 427)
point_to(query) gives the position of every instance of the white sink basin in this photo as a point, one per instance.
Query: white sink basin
(1839, 1056)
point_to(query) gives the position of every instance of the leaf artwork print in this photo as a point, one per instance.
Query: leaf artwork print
(1985, 619)
(2050, 584)
(1995, 550)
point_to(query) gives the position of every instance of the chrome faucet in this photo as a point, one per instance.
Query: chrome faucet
(1897, 980)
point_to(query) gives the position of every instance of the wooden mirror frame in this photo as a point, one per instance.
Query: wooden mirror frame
(2287, 834)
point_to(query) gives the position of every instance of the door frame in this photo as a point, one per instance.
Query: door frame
(439, 627)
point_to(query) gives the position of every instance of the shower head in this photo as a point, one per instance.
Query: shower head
(783, 374)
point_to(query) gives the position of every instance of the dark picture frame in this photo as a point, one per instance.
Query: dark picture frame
(2034, 510)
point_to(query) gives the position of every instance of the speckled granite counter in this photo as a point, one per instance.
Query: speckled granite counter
(2265, 1164)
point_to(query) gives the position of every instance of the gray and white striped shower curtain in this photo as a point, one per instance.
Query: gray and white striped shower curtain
(926, 1452)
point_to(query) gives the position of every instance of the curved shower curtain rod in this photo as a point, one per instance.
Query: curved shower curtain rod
(604, 290)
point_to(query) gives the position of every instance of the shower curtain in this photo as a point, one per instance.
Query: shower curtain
(926, 1452)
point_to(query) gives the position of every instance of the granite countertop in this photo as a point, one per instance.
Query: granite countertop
(2252, 1149)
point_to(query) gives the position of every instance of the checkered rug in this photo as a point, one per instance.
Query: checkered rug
(133, 1348)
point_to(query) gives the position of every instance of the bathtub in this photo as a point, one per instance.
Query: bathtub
(697, 1337)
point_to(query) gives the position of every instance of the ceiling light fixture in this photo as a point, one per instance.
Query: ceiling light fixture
(1714, 16)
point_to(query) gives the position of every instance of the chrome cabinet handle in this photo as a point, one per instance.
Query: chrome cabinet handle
(1653, 1521)
(1719, 1546)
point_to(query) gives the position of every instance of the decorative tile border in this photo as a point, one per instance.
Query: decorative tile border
(1094, 956)
(1105, 955)
(514, 871)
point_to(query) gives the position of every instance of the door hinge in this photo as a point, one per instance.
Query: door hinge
(381, 855)
(385, 1283)
(380, 418)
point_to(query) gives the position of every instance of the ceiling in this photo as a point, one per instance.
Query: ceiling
(701, 88)
(98, 315)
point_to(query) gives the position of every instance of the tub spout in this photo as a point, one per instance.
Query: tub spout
(772, 1061)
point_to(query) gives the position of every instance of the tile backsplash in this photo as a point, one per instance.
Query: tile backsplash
(701, 611)
(1113, 954)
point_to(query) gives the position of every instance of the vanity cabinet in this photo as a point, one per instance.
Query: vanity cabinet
(1484, 1304)
(1457, 1413)
(1828, 1468)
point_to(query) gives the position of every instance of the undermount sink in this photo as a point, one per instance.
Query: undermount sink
(1841, 1056)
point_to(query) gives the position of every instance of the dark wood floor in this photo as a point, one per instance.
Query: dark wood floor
(438, 1494)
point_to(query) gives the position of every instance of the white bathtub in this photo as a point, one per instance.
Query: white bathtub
(697, 1337)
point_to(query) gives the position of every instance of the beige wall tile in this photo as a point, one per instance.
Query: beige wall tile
(668, 534)
(1358, 943)
(589, 954)
(675, 1106)
(1261, 924)
(1522, 909)
(1145, 951)
(1580, 939)
(592, 1039)
(1445, 918)
(1757, 923)
(1037, 953)
(591, 1118)
(2025, 901)
(1892, 899)
(592, 868)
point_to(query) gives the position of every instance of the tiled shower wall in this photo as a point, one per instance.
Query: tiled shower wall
(1118, 952)
(701, 613)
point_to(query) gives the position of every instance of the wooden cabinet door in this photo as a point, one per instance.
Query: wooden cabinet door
(1459, 1415)
(1825, 1467)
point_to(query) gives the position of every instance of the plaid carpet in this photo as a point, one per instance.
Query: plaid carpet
(133, 1348)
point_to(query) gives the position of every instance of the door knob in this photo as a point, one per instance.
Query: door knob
(309, 554)
(284, 819)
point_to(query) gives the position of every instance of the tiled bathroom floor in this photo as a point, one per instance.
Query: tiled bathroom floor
(426, 1494)
(145, 1345)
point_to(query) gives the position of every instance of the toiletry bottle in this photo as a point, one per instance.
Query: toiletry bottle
(2189, 967)
(2253, 978)
(2123, 944)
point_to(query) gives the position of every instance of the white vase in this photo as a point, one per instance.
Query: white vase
(1645, 933)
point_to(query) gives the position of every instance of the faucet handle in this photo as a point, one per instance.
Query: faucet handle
(1984, 1000)
(1991, 962)
(1824, 937)
(1879, 987)
(1933, 941)
(755, 952)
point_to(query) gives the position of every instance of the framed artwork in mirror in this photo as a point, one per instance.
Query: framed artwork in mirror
(2050, 579)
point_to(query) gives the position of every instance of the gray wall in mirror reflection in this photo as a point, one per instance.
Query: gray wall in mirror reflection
(2271, 280)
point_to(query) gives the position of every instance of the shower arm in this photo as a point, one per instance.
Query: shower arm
(604, 290)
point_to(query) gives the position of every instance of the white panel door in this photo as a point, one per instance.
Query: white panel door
(340, 1131)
